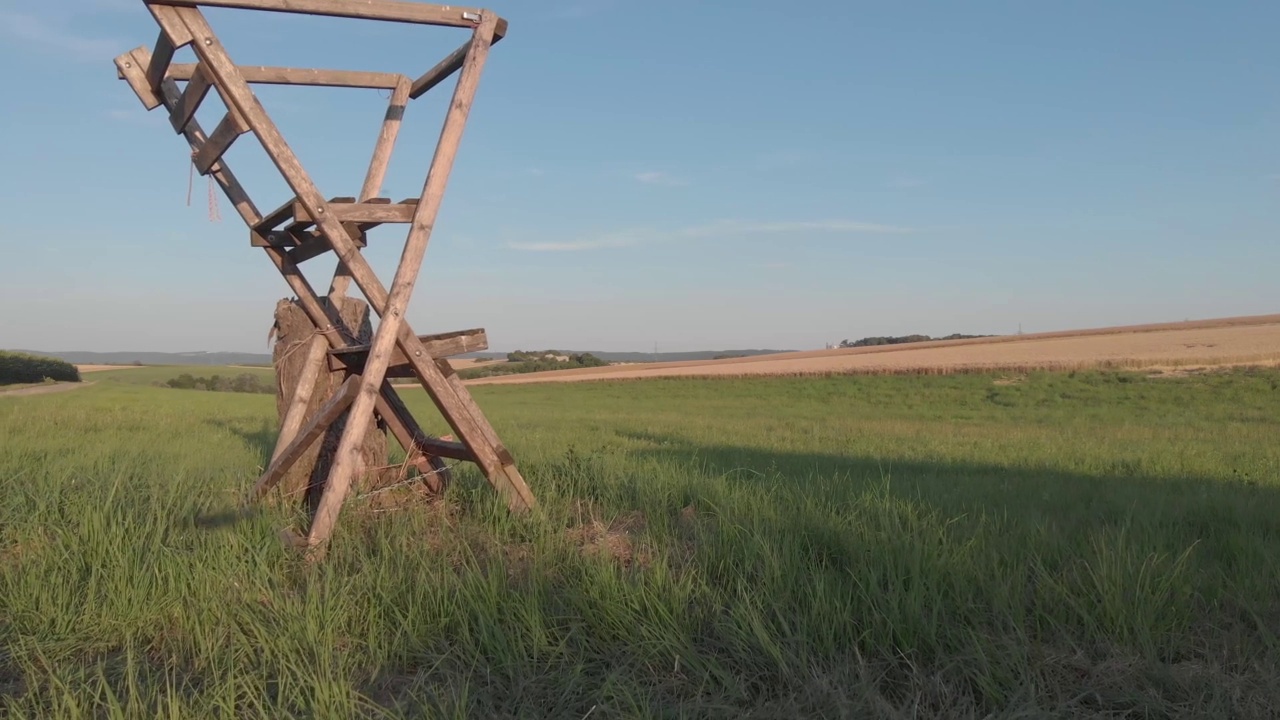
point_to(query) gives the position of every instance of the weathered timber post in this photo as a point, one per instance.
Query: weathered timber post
(295, 336)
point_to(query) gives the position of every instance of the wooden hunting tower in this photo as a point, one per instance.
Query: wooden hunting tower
(309, 224)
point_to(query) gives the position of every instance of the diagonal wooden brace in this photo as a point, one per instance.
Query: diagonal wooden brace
(328, 413)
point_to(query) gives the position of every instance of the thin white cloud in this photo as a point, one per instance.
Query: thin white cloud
(39, 31)
(660, 178)
(740, 227)
(722, 228)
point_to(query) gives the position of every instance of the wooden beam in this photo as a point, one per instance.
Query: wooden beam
(264, 75)
(285, 240)
(386, 142)
(440, 72)
(364, 212)
(277, 239)
(219, 142)
(274, 219)
(309, 251)
(438, 345)
(192, 95)
(160, 59)
(302, 392)
(306, 435)
(171, 25)
(444, 448)
(389, 10)
(314, 246)
(132, 68)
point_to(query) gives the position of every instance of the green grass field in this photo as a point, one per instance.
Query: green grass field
(152, 374)
(1084, 545)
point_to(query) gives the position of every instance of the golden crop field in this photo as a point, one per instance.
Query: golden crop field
(1251, 340)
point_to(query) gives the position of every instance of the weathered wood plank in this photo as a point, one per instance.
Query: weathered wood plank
(364, 212)
(444, 448)
(160, 59)
(267, 75)
(218, 143)
(313, 245)
(132, 68)
(438, 345)
(299, 225)
(323, 418)
(192, 95)
(389, 10)
(386, 141)
(274, 219)
(171, 25)
(303, 389)
(440, 72)
(288, 240)
(309, 251)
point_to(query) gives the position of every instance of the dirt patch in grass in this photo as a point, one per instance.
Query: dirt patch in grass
(617, 540)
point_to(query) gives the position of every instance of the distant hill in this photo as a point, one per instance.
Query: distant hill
(84, 357)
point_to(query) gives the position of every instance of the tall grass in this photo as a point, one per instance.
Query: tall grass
(957, 546)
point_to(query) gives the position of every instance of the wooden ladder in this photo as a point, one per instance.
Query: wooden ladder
(308, 225)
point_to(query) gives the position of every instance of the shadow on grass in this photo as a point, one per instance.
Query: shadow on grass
(223, 519)
(1032, 492)
(262, 440)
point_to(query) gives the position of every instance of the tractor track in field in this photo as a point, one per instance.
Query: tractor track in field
(45, 389)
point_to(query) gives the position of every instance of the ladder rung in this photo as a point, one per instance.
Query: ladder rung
(160, 59)
(274, 219)
(192, 95)
(316, 245)
(444, 448)
(440, 345)
(377, 210)
(218, 142)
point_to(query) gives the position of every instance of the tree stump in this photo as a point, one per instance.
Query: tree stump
(294, 333)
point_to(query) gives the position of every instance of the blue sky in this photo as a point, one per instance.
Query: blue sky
(695, 175)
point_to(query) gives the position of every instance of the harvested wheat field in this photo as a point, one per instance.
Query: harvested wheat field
(100, 368)
(467, 363)
(1253, 340)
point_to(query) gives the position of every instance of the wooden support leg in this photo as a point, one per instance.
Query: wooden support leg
(328, 412)
(317, 350)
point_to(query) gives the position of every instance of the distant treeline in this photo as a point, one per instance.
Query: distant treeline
(18, 367)
(243, 383)
(898, 340)
(527, 362)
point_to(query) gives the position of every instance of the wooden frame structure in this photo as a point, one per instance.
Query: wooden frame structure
(309, 225)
